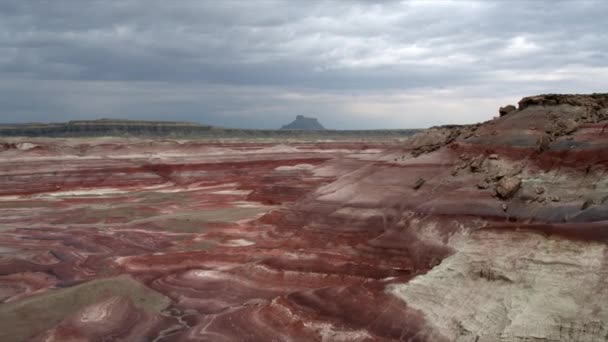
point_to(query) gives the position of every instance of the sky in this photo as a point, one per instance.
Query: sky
(257, 64)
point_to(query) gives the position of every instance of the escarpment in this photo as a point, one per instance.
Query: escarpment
(523, 198)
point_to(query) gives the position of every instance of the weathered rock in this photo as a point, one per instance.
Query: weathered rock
(419, 182)
(436, 137)
(462, 164)
(507, 187)
(476, 164)
(483, 184)
(506, 110)
(594, 101)
(567, 126)
(543, 142)
(587, 203)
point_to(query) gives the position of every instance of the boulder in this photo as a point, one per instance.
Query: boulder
(507, 187)
(477, 163)
(506, 110)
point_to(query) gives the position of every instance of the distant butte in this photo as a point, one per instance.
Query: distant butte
(303, 123)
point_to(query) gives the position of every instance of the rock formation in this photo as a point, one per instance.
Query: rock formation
(506, 110)
(491, 232)
(303, 123)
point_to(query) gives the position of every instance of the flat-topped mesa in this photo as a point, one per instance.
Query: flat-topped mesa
(125, 122)
(303, 123)
(106, 127)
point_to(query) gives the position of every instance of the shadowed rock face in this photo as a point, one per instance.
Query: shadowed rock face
(490, 232)
(506, 110)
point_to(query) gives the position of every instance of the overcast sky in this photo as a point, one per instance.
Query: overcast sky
(257, 64)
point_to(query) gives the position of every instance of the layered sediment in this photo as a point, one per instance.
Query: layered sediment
(489, 232)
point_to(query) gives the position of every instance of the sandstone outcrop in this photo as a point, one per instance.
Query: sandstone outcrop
(436, 137)
(506, 187)
(549, 175)
(506, 110)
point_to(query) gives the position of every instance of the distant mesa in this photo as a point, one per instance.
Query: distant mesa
(302, 126)
(106, 127)
(303, 123)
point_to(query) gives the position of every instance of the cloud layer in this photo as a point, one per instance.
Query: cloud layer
(352, 64)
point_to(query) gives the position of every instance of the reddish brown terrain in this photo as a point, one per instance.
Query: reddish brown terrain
(490, 232)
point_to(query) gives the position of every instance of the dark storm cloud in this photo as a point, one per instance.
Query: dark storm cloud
(354, 64)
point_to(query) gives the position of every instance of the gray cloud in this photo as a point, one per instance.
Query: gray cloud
(354, 64)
